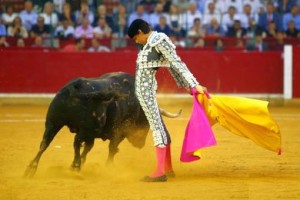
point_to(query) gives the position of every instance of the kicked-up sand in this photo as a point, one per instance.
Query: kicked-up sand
(234, 169)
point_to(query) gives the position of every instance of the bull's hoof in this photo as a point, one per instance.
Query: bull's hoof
(162, 178)
(75, 167)
(30, 171)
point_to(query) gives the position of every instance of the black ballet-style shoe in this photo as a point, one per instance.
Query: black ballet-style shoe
(162, 178)
(170, 174)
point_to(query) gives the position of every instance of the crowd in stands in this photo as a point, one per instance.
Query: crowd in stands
(82, 25)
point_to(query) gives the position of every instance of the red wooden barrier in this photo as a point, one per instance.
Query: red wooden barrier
(296, 72)
(222, 72)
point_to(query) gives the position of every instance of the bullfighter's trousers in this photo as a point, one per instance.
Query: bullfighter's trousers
(145, 89)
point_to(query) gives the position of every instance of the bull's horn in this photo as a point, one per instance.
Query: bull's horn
(170, 115)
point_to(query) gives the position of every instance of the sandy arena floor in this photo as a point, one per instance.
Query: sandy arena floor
(234, 169)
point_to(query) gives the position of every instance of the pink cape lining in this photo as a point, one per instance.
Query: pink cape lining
(198, 133)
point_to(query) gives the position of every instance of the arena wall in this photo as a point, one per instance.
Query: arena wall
(222, 72)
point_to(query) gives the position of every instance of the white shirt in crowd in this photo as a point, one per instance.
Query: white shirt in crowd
(8, 19)
(58, 4)
(188, 19)
(100, 48)
(255, 5)
(50, 20)
(68, 31)
(235, 3)
(227, 21)
(219, 6)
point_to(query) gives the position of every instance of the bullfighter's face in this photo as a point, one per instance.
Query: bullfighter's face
(141, 37)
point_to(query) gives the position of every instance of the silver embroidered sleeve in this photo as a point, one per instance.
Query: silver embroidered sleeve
(178, 69)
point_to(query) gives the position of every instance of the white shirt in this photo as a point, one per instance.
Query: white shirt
(154, 18)
(255, 5)
(59, 5)
(9, 18)
(219, 6)
(99, 49)
(188, 19)
(237, 4)
(68, 31)
(208, 17)
(245, 19)
(50, 20)
(227, 21)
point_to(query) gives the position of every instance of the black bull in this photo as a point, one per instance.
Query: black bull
(104, 107)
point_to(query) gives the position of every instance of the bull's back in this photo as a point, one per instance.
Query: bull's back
(69, 108)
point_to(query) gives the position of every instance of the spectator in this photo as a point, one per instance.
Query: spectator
(237, 30)
(253, 29)
(67, 14)
(163, 26)
(102, 30)
(119, 33)
(155, 17)
(3, 42)
(38, 42)
(121, 13)
(200, 43)
(219, 46)
(176, 21)
(239, 43)
(258, 44)
(50, 17)
(96, 47)
(190, 16)
(177, 41)
(166, 5)
(85, 30)
(196, 31)
(214, 29)
(2, 29)
(149, 5)
(247, 15)
(294, 15)
(28, 16)
(291, 31)
(101, 13)
(219, 6)
(58, 5)
(255, 5)
(229, 18)
(211, 14)
(183, 5)
(75, 4)
(138, 14)
(20, 42)
(269, 16)
(201, 5)
(130, 5)
(9, 15)
(78, 46)
(271, 30)
(279, 44)
(65, 30)
(17, 29)
(285, 6)
(40, 29)
(84, 13)
(235, 3)
(120, 30)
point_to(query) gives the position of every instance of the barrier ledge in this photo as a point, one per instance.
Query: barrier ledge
(164, 99)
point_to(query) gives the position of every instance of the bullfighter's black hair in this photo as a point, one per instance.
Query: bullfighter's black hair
(136, 25)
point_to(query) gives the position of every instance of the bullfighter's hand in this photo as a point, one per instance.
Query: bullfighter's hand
(200, 89)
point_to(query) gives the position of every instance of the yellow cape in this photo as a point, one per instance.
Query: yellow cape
(245, 117)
